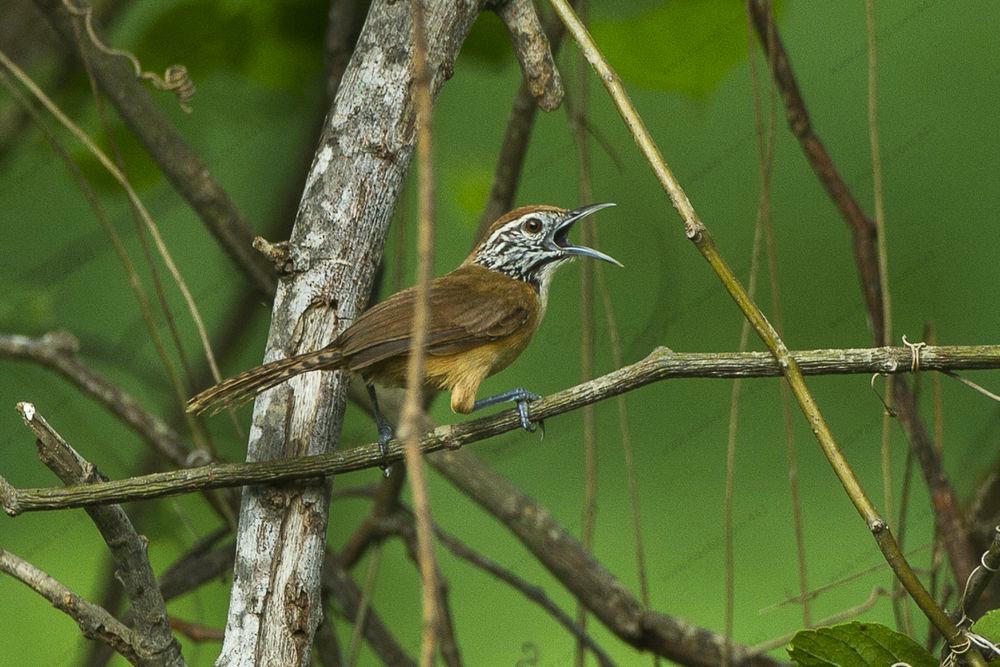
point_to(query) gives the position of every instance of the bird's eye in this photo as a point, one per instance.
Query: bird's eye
(532, 226)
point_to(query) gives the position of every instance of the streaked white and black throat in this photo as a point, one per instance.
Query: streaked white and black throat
(530, 259)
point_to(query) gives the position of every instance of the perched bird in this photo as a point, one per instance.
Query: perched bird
(482, 316)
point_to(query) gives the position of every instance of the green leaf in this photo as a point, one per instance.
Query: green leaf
(856, 644)
(989, 626)
(680, 45)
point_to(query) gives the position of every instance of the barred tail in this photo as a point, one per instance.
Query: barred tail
(248, 384)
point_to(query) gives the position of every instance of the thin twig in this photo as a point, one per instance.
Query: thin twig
(947, 511)
(534, 593)
(979, 578)
(94, 622)
(972, 385)
(202, 563)
(840, 617)
(101, 213)
(340, 585)
(729, 552)
(363, 606)
(58, 351)
(862, 228)
(402, 524)
(838, 583)
(127, 547)
(698, 233)
(899, 603)
(196, 632)
(661, 364)
(591, 237)
(410, 417)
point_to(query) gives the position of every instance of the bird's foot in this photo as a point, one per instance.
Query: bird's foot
(385, 434)
(522, 397)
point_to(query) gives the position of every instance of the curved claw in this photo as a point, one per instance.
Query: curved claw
(522, 412)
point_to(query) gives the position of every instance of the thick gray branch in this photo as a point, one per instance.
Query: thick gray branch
(662, 364)
(339, 232)
(532, 48)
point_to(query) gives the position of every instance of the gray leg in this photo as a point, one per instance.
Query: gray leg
(385, 433)
(521, 396)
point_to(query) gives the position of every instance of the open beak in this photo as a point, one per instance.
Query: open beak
(561, 235)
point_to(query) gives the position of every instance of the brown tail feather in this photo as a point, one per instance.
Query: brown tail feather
(248, 384)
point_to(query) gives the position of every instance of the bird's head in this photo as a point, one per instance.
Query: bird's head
(530, 242)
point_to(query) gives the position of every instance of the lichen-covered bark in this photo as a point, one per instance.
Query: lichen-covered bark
(339, 232)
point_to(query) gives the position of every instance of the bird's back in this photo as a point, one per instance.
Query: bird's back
(480, 321)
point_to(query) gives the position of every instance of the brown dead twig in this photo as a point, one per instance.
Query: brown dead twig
(436, 615)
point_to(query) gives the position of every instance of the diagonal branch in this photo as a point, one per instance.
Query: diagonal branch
(94, 621)
(342, 587)
(58, 351)
(534, 593)
(862, 227)
(155, 644)
(532, 48)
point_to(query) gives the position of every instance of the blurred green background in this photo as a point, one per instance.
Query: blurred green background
(258, 69)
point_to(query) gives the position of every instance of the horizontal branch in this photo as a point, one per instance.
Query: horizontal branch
(661, 364)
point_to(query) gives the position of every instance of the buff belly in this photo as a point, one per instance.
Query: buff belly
(461, 372)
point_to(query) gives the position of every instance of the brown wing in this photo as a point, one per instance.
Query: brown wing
(491, 308)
